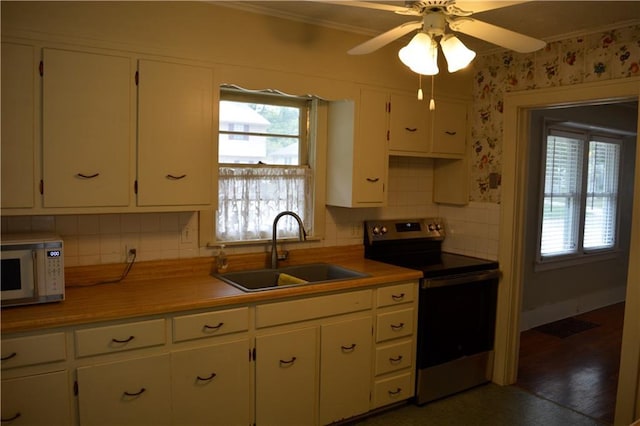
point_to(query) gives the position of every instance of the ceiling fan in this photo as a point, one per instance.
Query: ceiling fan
(437, 15)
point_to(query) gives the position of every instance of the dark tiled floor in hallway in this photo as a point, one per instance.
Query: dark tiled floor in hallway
(487, 405)
(579, 371)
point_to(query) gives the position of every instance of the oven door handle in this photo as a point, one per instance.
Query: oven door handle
(469, 277)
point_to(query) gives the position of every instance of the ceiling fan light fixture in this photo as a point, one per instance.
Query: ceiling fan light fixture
(457, 54)
(421, 54)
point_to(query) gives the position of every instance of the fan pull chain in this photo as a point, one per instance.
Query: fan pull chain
(432, 102)
(420, 97)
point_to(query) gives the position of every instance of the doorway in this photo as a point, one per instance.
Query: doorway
(569, 346)
(516, 123)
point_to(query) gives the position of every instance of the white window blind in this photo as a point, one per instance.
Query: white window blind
(580, 196)
(602, 195)
(562, 186)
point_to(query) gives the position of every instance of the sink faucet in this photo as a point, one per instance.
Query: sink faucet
(274, 248)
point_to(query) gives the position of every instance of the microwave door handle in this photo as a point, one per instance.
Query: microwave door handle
(34, 264)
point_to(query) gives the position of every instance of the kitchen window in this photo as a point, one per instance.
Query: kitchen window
(579, 214)
(265, 144)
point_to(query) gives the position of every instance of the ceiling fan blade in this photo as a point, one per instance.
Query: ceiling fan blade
(366, 5)
(496, 35)
(483, 6)
(385, 38)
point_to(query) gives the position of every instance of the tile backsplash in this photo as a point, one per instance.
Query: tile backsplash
(106, 238)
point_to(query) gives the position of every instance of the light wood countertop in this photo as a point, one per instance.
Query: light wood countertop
(162, 287)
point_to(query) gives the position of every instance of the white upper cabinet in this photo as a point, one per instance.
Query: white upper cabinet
(449, 128)
(409, 125)
(18, 125)
(87, 123)
(175, 138)
(357, 161)
(416, 131)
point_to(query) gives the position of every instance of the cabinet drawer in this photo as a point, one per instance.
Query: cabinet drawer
(396, 294)
(210, 324)
(313, 307)
(391, 325)
(116, 338)
(394, 357)
(394, 389)
(23, 351)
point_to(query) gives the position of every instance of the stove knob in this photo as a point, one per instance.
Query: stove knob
(431, 227)
(375, 230)
(438, 227)
(383, 230)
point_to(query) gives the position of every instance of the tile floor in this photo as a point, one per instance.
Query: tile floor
(486, 405)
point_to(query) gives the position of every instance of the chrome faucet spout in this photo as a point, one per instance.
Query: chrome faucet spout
(274, 238)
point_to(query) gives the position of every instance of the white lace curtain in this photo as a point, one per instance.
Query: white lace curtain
(251, 197)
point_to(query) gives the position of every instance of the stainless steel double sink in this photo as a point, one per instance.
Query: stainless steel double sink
(297, 275)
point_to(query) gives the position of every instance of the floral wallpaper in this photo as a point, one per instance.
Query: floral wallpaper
(592, 57)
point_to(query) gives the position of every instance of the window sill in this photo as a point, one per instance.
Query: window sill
(575, 260)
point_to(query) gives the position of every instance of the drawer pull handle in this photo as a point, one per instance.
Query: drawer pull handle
(10, 419)
(8, 357)
(176, 177)
(349, 348)
(289, 363)
(395, 360)
(206, 379)
(127, 340)
(398, 326)
(83, 176)
(213, 327)
(373, 179)
(395, 392)
(411, 129)
(450, 133)
(140, 392)
(397, 296)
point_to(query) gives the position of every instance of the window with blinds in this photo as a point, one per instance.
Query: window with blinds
(580, 194)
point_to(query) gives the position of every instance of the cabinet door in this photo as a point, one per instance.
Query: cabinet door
(212, 385)
(42, 399)
(345, 370)
(175, 149)
(409, 124)
(18, 125)
(370, 150)
(132, 392)
(87, 123)
(450, 128)
(286, 378)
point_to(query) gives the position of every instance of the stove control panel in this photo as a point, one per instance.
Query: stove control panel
(400, 229)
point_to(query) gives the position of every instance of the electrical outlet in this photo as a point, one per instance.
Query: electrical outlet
(186, 236)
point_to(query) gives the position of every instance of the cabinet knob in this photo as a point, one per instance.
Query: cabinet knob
(10, 419)
(397, 326)
(206, 379)
(411, 129)
(127, 340)
(349, 348)
(175, 177)
(373, 179)
(8, 357)
(288, 363)
(140, 392)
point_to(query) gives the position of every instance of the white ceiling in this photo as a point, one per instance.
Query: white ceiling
(546, 20)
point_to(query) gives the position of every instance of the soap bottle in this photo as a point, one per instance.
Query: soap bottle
(221, 260)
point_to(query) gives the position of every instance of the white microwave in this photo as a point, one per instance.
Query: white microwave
(32, 269)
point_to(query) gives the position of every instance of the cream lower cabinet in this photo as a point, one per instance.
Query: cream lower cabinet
(132, 392)
(287, 378)
(345, 369)
(39, 399)
(36, 388)
(212, 385)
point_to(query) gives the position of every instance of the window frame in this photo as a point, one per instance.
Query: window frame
(316, 129)
(581, 255)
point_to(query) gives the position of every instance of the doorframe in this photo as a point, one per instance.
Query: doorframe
(512, 228)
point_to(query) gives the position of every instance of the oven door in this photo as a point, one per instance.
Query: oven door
(19, 275)
(456, 316)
